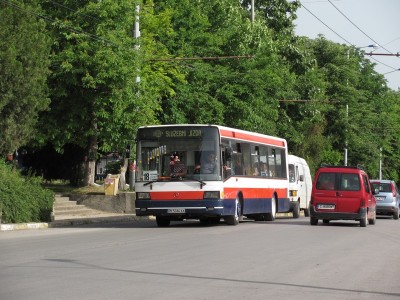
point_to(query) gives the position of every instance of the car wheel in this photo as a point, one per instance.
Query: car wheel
(363, 220)
(373, 220)
(396, 214)
(296, 210)
(313, 221)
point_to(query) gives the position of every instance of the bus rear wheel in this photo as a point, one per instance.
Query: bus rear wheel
(272, 215)
(162, 221)
(234, 219)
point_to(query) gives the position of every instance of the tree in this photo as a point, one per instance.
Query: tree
(24, 61)
(96, 101)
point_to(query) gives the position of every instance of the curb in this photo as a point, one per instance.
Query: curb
(70, 222)
(23, 226)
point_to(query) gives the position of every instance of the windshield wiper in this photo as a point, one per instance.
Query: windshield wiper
(202, 183)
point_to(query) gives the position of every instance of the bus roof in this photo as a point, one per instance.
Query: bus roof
(233, 133)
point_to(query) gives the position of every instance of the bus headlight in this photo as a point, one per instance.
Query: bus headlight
(143, 196)
(293, 193)
(211, 195)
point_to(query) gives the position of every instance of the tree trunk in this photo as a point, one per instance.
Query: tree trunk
(122, 179)
(90, 161)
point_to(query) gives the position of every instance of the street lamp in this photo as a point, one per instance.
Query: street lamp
(375, 46)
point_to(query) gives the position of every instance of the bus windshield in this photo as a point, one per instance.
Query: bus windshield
(178, 153)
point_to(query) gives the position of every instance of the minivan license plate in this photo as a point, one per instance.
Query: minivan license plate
(176, 211)
(380, 198)
(326, 206)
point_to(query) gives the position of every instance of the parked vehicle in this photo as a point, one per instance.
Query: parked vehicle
(300, 185)
(342, 193)
(388, 198)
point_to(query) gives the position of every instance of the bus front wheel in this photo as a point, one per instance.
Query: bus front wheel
(162, 221)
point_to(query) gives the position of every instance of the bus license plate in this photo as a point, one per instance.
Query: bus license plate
(176, 211)
(326, 206)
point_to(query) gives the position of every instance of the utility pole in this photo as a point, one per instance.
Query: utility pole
(252, 11)
(136, 35)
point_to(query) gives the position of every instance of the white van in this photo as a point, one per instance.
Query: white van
(300, 185)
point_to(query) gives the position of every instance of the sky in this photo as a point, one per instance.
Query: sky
(359, 23)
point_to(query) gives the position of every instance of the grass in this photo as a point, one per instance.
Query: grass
(64, 189)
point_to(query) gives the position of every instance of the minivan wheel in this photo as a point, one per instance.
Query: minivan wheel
(363, 220)
(307, 212)
(313, 221)
(396, 214)
(296, 210)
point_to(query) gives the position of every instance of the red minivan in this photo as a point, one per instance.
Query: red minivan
(342, 193)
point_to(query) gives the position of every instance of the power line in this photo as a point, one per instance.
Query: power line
(357, 26)
(326, 25)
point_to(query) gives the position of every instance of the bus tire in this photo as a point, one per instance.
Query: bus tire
(234, 219)
(162, 221)
(296, 210)
(272, 215)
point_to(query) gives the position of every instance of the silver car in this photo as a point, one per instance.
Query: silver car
(388, 198)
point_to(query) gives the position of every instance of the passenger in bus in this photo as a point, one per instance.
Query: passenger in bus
(255, 170)
(264, 169)
(209, 166)
(196, 169)
(238, 168)
(178, 169)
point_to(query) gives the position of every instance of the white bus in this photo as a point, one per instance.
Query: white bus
(249, 177)
(300, 185)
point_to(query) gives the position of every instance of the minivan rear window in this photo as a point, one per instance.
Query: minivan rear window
(346, 181)
(349, 182)
(326, 181)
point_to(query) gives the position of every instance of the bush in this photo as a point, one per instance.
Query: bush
(22, 198)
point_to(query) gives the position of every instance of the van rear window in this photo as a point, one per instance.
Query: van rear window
(349, 182)
(345, 181)
(326, 181)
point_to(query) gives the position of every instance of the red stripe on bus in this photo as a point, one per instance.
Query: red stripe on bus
(251, 138)
(229, 193)
(253, 193)
(177, 195)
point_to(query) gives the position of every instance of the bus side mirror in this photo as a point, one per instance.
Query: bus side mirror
(301, 177)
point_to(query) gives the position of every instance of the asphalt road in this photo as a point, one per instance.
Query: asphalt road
(285, 259)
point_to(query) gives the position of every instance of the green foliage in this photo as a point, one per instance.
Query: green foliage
(321, 96)
(23, 199)
(24, 51)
